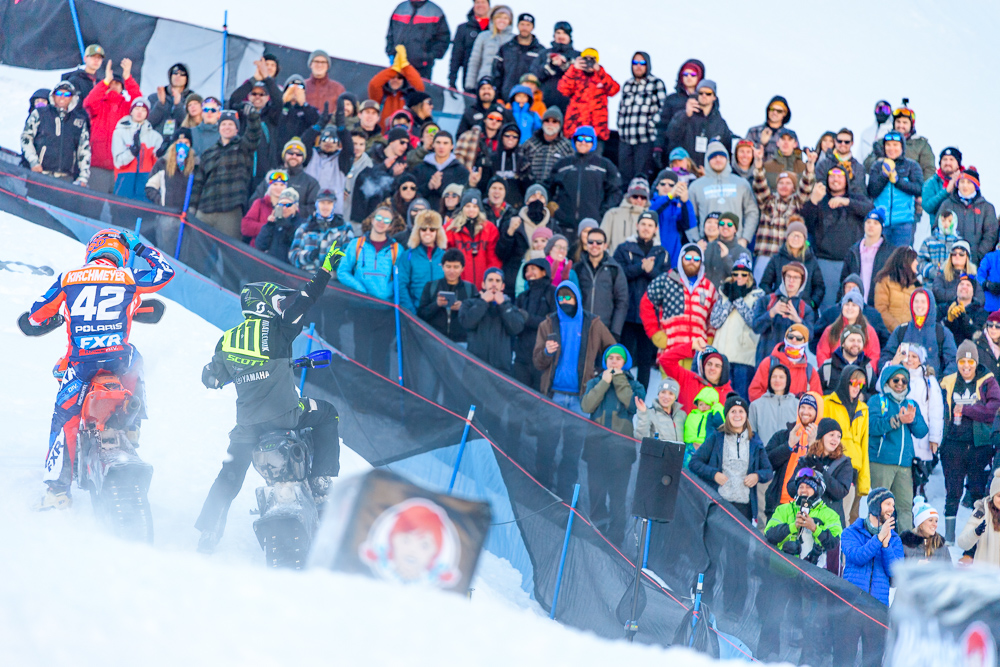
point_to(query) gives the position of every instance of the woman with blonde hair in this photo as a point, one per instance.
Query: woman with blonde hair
(487, 46)
(982, 530)
(420, 263)
(958, 264)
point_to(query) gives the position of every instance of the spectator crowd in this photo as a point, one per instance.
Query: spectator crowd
(764, 289)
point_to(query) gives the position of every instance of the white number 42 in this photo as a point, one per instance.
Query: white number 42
(88, 303)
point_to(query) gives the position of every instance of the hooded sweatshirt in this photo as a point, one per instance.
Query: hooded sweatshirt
(640, 105)
(772, 412)
(566, 378)
(724, 192)
(753, 134)
(676, 308)
(696, 426)
(693, 381)
(925, 332)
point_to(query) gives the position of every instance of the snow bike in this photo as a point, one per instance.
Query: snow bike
(287, 508)
(106, 461)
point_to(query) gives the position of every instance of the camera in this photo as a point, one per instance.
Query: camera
(590, 62)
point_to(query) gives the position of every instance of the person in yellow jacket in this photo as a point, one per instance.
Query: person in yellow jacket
(847, 406)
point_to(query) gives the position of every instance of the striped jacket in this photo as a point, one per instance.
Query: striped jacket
(775, 211)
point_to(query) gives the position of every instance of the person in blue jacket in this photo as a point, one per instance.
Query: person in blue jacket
(520, 107)
(676, 214)
(732, 459)
(989, 277)
(894, 183)
(368, 261)
(871, 546)
(894, 421)
(937, 188)
(421, 262)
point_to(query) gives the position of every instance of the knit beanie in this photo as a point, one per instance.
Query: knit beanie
(827, 425)
(852, 329)
(615, 349)
(967, 350)
(796, 226)
(669, 384)
(541, 233)
(734, 400)
(878, 496)
(293, 143)
(553, 112)
(471, 196)
(922, 511)
(995, 483)
(810, 400)
(586, 223)
(536, 188)
(955, 153)
(853, 296)
(552, 242)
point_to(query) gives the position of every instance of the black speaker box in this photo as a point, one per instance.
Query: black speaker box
(659, 478)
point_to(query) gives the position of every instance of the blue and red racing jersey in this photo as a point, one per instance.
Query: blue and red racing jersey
(98, 301)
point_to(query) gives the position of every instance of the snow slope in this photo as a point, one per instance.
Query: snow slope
(71, 594)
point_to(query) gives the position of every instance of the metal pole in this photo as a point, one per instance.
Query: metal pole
(562, 558)
(399, 337)
(76, 27)
(697, 607)
(225, 38)
(309, 348)
(187, 202)
(138, 229)
(632, 626)
(645, 557)
(461, 447)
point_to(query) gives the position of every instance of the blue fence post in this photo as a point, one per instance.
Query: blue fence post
(76, 27)
(697, 607)
(187, 202)
(138, 230)
(562, 558)
(399, 337)
(225, 39)
(645, 556)
(461, 447)
(309, 348)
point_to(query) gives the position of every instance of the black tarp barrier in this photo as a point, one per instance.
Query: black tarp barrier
(39, 34)
(779, 608)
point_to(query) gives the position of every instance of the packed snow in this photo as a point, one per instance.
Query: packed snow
(72, 594)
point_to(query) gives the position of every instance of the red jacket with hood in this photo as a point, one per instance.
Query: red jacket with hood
(588, 103)
(692, 382)
(803, 376)
(673, 311)
(105, 108)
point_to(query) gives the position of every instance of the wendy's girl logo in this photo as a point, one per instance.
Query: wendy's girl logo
(414, 542)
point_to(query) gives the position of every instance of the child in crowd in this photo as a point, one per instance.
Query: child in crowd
(705, 418)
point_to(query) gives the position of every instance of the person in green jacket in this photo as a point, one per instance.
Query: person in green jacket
(918, 149)
(706, 417)
(806, 527)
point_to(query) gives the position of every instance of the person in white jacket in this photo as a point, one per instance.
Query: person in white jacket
(134, 144)
(662, 418)
(926, 393)
(883, 123)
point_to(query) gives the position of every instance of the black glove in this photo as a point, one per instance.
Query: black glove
(791, 547)
(136, 143)
(981, 528)
(992, 286)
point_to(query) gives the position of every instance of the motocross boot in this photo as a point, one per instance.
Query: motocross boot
(320, 487)
(55, 499)
(208, 541)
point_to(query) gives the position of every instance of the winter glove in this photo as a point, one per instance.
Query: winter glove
(981, 528)
(136, 143)
(992, 286)
(955, 311)
(131, 239)
(791, 547)
(324, 118)
(400, 61)
(888, 167)
(332, 257)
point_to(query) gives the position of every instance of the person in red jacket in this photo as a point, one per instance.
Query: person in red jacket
(792, 353)
(588, 86)
(322, 91)
(391, 86)
(677, 304)
(475, 236)
(106, 105)
(711, 369)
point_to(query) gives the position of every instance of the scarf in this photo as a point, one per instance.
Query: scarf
(873, 530)
(796, 352)
(845, 165)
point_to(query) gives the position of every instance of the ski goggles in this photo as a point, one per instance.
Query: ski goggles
(883, 108)
(62, 93)
(277, 176)
(903, 112)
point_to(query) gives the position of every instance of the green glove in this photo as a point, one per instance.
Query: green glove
(332, 258)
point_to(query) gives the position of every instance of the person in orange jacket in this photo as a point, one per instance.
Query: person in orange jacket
(390, 86)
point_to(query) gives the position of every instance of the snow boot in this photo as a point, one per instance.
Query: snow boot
(208, 541)
(320, 487)
(949, 529)
(54, 500)
(968, 500)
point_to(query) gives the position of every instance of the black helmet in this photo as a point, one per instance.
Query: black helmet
(264, 300)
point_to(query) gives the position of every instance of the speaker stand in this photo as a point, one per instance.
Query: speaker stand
(632, 625)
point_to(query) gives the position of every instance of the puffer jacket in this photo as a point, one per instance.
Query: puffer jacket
(899, 199)
(892, 301)
(725, 192)
(416, 269)
(106, 107)
(775, 211)
(640, 106)
(422, 28)
(484, 50)
(477, 240)
(977, 223)
(917, 149)
(366, 271)
(588, 104)
(781, 529)
(513, 60)
(734, 334)
(868, 564)
(656, 421)
(629, 256)
(125, 161)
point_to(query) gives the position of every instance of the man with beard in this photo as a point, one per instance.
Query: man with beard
(546, 146)
(486, 102)
(943, 182)
(851, 352)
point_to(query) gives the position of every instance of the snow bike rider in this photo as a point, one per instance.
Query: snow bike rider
(256, 357)
(98, 300)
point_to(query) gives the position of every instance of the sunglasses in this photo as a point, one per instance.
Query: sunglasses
(741, 274)
(692, 258)
(643, 197)
(565, 297)
(428, 229)
(385, 220)
(258, 95)
(408, 188)
(706, 93)
(583, 140)
(62, 93)
(899, 380)
(689, 72)
(287, 204)
(727, 223)
(844, 141)
(295, 154)
(639, 61)
(511, 135)
(958, 253)
(209, 110)
(595, 241)
(495, 119)
(795, 338)
(776, 110)
(665, 184)
(451, 195)
(177, 70)
(993, 325)
(553, 121)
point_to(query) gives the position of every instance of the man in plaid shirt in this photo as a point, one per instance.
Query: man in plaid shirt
(642, 97)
